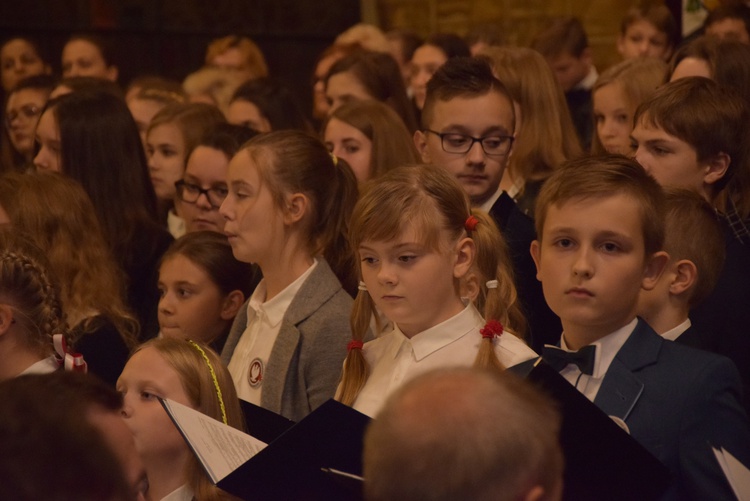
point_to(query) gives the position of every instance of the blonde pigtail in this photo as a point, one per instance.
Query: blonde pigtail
(356, 371)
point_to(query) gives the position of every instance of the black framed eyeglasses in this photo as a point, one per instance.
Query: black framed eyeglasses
(190, 193)
(493, 145)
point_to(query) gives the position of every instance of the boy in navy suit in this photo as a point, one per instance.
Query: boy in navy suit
(693, 268)
(600, 227)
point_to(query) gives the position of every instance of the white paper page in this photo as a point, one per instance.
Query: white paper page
(220, 448)
(737, 473)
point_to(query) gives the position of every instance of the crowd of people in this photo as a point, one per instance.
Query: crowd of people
(450, 208)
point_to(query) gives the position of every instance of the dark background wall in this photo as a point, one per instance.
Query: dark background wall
(169, 37)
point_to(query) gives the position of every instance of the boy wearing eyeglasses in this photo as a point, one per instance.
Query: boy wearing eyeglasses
(468, 122)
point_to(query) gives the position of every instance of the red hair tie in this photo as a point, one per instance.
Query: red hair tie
(491, 329)
(471, 223)
(354, 345)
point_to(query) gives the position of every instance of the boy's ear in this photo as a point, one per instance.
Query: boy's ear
(716, 168)
(231, 305)
(6, 318)
(296, 206)
(655, 265)
(465, 254)
(536, 255)
(685, 276)
(420, 142)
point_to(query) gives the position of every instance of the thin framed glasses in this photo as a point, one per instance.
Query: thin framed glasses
(28, 111)
(190, 193)
(493, 145)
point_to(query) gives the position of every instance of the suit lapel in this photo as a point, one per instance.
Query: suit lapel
(621, 387)
(317, 289)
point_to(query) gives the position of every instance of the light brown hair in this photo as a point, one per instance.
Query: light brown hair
(193, 120)
(562, 35)
(429, 198)
(656, 14)
(601, 177)
(547, 136)
(254, 59)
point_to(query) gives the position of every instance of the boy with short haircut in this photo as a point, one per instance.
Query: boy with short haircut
(691, 134)
(565, 46)
(648, 31)
(692, 270)
(601, 230)
(729, 22)
(468, 124)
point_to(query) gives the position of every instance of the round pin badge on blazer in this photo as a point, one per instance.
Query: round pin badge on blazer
(255, 372)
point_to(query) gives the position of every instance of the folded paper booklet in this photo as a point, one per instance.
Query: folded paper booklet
(602, 461)
(737, 473)
(318, 458)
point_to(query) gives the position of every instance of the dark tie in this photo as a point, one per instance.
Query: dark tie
(559, 358)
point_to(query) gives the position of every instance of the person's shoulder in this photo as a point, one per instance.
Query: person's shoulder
(513, 223)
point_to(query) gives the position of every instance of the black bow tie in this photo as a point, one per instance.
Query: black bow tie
(559, 359)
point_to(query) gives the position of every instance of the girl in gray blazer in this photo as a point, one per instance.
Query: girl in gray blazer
(287, 211)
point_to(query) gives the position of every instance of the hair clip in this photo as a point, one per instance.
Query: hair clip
(491, 329)
(471, 223)
(491, 284)
(362, 286)
(68, 360)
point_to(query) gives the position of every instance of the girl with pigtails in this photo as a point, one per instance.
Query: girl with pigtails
(287, 211)
(417, 239)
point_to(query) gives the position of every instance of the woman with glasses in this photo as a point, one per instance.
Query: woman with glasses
(203, 186)
(22, 110)
(545, 136)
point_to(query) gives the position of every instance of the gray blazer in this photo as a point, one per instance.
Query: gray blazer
(305, 363)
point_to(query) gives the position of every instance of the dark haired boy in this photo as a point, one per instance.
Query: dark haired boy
(729, 22)
(691, 134)
(565, 46)
(601, 229)
(468, 125)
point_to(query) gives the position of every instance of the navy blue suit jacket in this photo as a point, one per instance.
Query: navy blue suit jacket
(678, 402)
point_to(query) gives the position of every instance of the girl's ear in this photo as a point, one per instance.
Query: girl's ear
(296, 207)
(6, 318)
(231, 305)
(465, 254)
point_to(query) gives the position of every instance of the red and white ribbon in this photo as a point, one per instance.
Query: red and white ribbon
(70, 361)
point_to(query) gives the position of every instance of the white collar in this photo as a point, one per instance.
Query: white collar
(675, 332)
(486, 206)
(606, 347)
(274, 309)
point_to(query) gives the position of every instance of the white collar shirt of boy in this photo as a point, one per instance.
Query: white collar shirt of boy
(394, 359)
(674, 333)
(487, 206)
(250, 358)
(44, 366)
(606, 349)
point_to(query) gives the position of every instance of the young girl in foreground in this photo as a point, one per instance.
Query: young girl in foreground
(202, 287)
(188, 373)
(417, 239)
(287, 211)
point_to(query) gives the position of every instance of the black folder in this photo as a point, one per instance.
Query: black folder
(263, 424)
(602, 461)
(298, 463)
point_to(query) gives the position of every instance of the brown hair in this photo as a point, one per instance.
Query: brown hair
(193, 120)
(429, 198)
(392, 145)
(656, 14)
(688, 216)
(254, 59)
(560, 36)
(60, 218)
(546, 137)
(461, 433)
(292, 161)
(601, 177)
(26, 285)
(380, 75)
(466, 77)
(708, 117)
(197, 378)
(638, 78)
